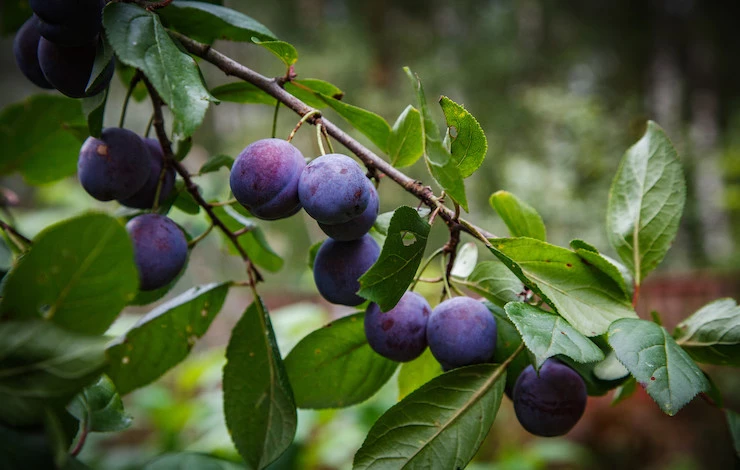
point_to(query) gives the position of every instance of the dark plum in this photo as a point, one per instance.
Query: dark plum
(160, 249)
(400, 333)
(333, 189)
(358, 226)
(339, 265)
(68, 69)
(264, 178)
(69, 22)
(551, 403)
(461, 332)
(115, 166)
(144, 198)
(25, 48)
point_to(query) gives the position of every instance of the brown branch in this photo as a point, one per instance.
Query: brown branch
(371, 160)
(15, 236)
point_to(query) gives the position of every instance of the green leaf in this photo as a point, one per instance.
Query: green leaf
(254, 242)
(190, 460)
(164, 337)
(712, 334)
(654, 359)
(242, 92)
(38, 138)
(594, 385)
(334, 367)
(281, 49)
(547, 335)
(624, 391)
(80, 273)
(308, 89)
(508, 341)
(444, 171)
(469, 144)
(645, 202)
(215, 163)
(588, 299)
(184, 200)
(387, 280)
(140, 40)
(521, 218)
(610, 368)
(406, 141)
(416, 373)
(258, 401)
(370, 124)
(43, 365)
(13, 15)
(494, 281)
(94, 109)
(733, 422)
(126, 74)
(101, 407)
(103, 56)
(312, 253)
(465, 261)
(206, 22)
(431, 131)
(611, 267)
(440, 425)
(61, 428)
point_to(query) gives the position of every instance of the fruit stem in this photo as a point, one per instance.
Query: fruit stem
(134, 81)
(275, 118)
(196, 240)
(304, 118)
(425, 265)
(319, 139)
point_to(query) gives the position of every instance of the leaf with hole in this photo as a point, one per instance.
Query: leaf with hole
(468, 145)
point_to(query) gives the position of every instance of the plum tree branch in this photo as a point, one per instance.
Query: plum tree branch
(273, 87)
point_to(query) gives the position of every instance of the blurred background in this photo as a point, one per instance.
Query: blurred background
(561, 90)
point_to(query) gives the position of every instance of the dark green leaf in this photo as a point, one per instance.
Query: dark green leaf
(387, 280)
(185, 201)
(43, 365)
(25, 448)
(307, 89)
(712, 334)
(215, 163)
(312, 253)
(624, 391)
(611, 267)
(469, 144)
(100, 406)
(733, 422)
(206, 22)
(581, 294)
(80, 273)
(547, 335)
(508, 341)
(281, 49)
(406, 141)
(164, 337)
(242, 92)
(191, 461)
(94, 109)
(494, 281)
(103, 56)
(258, 401)
(254, 241)
(370, 124)
(654, 359)
(444, 171)
(334, 367)
(140, 40)
(12, 16)
(646, 201)
(521, 218)
(38, 139)
(61, 429)
(416, 373)
(440, 425)
(126, 74)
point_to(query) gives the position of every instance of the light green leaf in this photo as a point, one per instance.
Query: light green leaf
(611, 267)
(654, 359)
(588, 299)
(80, 273)
(624, 391)
(258, 400)
(387, 280)
(191, 461)
(469, 144)
(308, 89)
(406, 142)
(610, 368)
(242, 92)
(215, 163)
(646, 201)
(164, 337)
(444, 171)
(254, 242)
(431, 131)
(206, 22)
(416, 373)
(370, 124)
(494, 281)
(140, 40)
(281, 49)
(334, 367)
(712, 334)
(521, 218)
(465, 261)
(440, 425)
(547, 335)
(101, 406)
(94, 109)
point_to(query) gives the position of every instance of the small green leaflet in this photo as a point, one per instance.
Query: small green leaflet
(611, 267)
(469, 144)
(103, 56)
(654, 359)
(431, 131)
(494, 281)
(308, 89)
(440, 425)
(370, 124)
(406, 141)
(242, 92)
(521, 218)
(258, 400)
(100, 406)
(215, 163)
(334, 367)
(548, 335)
(94, 109)
(387, 280)
(712, 334)
(281, 49)
(416, 373)
(624, 391)
(444, 171)
(646, 201)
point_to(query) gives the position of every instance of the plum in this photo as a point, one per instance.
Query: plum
(551, 403)
(160, 249)
(355, 227)
(69, 22)
(400, 333)
(25, 49)
(144, 197)
(264, 178)
(333, 189)
(339, 265)
(115, 166)
(461, 331)
(68, 69)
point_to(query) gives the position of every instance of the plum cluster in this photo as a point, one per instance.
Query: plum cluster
(57, 46)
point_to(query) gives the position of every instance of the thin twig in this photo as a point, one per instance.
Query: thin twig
(199, 238)
(15, 236)
(425, 265)
(313, 113)
(134, 81)
(223, 203)
(319, 139)
(274, 118)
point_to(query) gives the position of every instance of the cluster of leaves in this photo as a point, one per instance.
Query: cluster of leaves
(64, 292)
